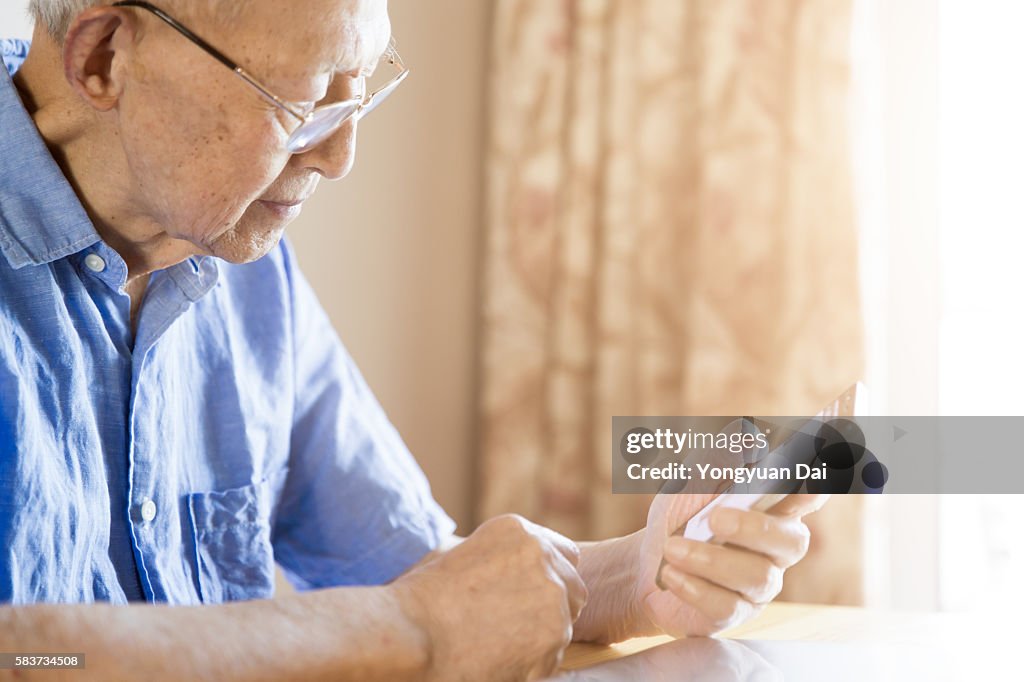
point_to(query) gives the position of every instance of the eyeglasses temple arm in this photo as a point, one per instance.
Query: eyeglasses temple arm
(213, 52)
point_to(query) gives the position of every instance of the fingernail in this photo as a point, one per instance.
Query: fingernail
(725, 522)
(671, 576)
(677, 581)
(677, 549)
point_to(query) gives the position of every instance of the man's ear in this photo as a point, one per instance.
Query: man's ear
(89, 48)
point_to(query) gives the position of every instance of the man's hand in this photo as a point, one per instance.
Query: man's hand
(712, 587)
(500, 605)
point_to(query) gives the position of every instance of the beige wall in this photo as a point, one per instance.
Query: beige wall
(392, 249)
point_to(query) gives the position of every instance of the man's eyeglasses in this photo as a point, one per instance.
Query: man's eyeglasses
(316, 124)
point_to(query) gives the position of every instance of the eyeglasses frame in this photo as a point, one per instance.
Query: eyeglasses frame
(365, 100)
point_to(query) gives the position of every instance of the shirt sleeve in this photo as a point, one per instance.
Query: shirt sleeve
(356, 508)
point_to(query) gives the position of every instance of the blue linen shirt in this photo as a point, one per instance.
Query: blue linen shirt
(233, 430)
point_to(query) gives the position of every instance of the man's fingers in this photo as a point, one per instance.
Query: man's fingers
(720, 607)
(561, 556)
(553, 659)
(783, 540)
(546, 667)
(751, 574)
(564, 545)
(575, 588)
(566, 557)
(798, 504)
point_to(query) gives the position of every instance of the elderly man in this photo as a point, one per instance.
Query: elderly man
(176, 412)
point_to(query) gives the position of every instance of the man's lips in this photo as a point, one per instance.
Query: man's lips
(283, 209)
(295, 202)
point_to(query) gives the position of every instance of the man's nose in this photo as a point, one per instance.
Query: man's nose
(334, 157)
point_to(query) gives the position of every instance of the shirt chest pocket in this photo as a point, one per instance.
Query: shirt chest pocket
(234, 556)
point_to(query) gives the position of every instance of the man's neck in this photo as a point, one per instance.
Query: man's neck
(92, 159)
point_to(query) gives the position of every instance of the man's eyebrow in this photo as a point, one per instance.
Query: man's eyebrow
(369, 68)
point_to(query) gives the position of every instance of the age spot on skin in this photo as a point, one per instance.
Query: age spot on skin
(139, 71)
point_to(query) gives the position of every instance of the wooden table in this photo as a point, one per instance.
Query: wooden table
(797, 640)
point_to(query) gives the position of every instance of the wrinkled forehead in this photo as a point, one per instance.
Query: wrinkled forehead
(308, 38)
(349, 34)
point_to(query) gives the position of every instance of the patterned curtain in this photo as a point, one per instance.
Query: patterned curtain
(670, 230)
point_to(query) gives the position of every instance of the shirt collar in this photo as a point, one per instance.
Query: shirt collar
(41, 218)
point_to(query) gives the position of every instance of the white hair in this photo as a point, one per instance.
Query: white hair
(56, 15)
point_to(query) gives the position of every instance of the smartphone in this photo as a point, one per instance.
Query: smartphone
(852, 402)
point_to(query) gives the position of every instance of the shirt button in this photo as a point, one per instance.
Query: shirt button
(95, 263)
(148, 510)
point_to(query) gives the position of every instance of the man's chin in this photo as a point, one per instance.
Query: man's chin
(245, 244)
